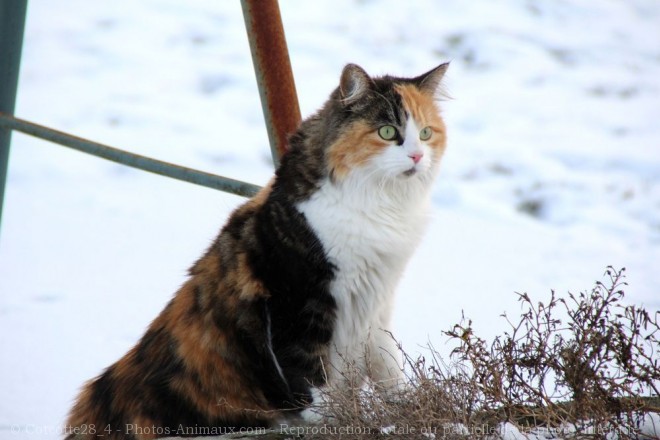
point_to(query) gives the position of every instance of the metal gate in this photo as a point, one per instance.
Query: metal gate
(272, 67)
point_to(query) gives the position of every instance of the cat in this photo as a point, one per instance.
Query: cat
(299, 282)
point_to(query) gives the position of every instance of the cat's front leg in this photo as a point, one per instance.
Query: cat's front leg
(381, 361)
(385, 364)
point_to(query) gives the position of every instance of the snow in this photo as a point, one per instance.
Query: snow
(551, 174)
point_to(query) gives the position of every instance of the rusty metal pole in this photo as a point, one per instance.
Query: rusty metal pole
(272, 67)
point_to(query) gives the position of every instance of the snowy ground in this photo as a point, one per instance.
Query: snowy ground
(552, 171)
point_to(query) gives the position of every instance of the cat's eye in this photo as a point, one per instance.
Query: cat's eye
(387, 132)
(425, 133)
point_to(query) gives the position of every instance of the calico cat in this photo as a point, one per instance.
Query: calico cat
(299, 281)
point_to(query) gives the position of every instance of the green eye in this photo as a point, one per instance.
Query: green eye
(425, 133)
(387, 132)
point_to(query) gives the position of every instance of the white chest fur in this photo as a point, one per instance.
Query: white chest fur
(369, 236)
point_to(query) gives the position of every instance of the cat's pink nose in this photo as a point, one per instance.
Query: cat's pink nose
(416, 157)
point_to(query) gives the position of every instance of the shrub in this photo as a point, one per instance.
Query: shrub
(583, 366)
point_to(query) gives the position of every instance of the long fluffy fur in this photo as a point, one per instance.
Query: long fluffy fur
(299, 280)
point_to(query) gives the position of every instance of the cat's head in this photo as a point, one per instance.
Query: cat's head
(380, 130)
(388, 127)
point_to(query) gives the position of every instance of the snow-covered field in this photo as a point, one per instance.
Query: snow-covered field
(552, 170)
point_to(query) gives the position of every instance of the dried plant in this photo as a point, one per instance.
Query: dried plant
(583, 362)
(584, 367)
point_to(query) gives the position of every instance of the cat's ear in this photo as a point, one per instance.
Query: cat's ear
(430, 81)
(354, 83)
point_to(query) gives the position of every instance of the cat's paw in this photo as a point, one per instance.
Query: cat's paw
(315, 413)
(393, 390)
(312, 416)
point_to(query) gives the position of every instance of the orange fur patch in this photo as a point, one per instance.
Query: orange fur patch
(207, 351)
(261, 197)
(353, 148)
(424, 110)
(250, 287)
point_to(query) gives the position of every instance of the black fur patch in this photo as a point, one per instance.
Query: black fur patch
(290, 260)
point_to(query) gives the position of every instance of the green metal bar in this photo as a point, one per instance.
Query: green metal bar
(12, 26)
(272, 67)
(208, 180)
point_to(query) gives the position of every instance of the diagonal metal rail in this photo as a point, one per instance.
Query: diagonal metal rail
(272, 66)
(130, 159)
